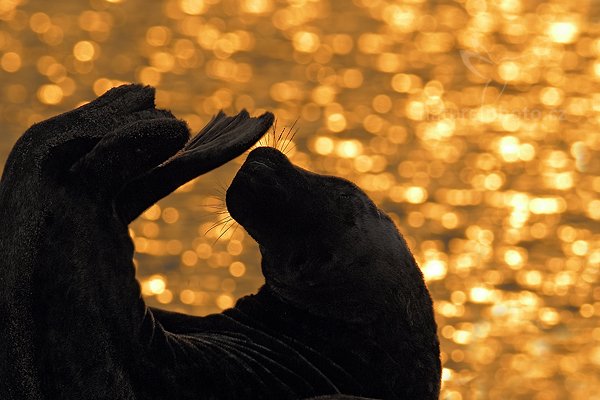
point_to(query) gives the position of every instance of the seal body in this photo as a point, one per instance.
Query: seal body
(344, 310)
(342, 276)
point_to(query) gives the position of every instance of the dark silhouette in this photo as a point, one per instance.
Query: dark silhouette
(339, 278)
(74, 325)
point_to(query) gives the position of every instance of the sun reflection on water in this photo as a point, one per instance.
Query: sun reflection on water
(474, 123)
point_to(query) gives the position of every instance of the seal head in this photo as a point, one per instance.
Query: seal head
(325, 245)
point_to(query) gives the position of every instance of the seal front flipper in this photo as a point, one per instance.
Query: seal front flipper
(223, 139)
(28, 202)
(88, 123)
(129, 152)
(87, 308)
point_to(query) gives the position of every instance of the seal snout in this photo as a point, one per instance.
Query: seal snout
(258, 194)
(268, 157)
(264, 168)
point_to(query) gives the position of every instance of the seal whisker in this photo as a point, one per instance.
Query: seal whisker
(222, 221)
(215, 208)
(283, 142)
(290, 149)
(208, 217)
(237, 225)
(262, 142)
(295, 130)
(219, 203)
(224, 226)
(223, 232)
(292, 128)
(218, 206)
(218, 223)
(212, 214)
(274, 131)
(219, 199)
(221, 188)
(216, 196)
(279, 138)
(287, 140)
(216, 212)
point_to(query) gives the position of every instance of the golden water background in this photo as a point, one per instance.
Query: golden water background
(473, 123)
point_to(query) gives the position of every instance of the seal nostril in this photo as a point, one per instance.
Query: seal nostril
(261, 164)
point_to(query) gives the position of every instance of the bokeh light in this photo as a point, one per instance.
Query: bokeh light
(473, 123)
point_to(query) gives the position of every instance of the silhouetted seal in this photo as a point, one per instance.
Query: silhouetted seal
(339, 277)
(76, 327)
